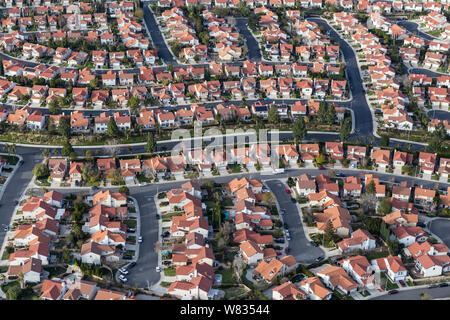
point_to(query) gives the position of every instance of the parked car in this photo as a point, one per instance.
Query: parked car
(279, 253)
(294, 200)
(167, 262)
(421, 224)
(16, 202)
(279, 240)
(158, 217)
(322, 168)
(283, 211)
(140, 239)
(288, 238)
(158, 269)
(123, 271)
(393, 292)
(288, 191)
(402, 283)
(122, 278)
(131, 265)
(432, 286)
(165, 234)
(319, 258)
(314, 243)
(131, 230)
(127, 257)
(340, 174)
(287, 250)
(443, 284)
(285, 225)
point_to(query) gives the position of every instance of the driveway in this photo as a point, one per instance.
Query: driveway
(299, 245)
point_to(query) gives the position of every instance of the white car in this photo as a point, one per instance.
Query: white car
(122, 278)
(158, 269)
(123, 271)
(140, 239)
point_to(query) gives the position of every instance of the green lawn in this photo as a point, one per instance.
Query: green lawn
(376, 255)
(365, 293)
(131, 239)
(130, 223)
(233, 292)
(130, 252)
(227, 276)
(235, 168)
(389, 284)
(12, 160)
(170, 272)
(54, 271)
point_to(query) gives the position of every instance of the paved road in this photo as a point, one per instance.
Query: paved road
(413, 28)
(157, 37)
(299, 245)
(16, 186)
(439, 114)
(363, 116)
(441, 228)
(253, 50)
(414, 294)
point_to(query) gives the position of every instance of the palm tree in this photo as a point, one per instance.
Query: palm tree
(21, 279)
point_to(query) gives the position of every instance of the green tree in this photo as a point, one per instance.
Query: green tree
(371, 188)
(384, 231)
(13, 293)
(331, 115)
(150, 147)
(346, 129)
(112, 130)
(299, 129)
(66, 149)
(385, 140)
(322, 113)
(124, 189)
(64, 127)
(273, 116)
(385, 206)
(41, 171)
(328, 233)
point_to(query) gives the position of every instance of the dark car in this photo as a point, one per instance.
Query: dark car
(319, 258)
(166, 262)
(340, 175)
(286, 226)
(131, 265)
(393, 292)
(165, 234)
(286, 250)
(131, 230)
(294, 200)
(158, 216)
(314, 243)
(402, 283)
(279, 240)
(420, 224)
(443, 284)
(127, 257)
(279, 253)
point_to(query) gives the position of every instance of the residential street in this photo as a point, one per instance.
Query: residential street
(414, 294)
(299, 246)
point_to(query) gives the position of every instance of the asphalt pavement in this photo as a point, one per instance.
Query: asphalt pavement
(299, 246)
(415, 294)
